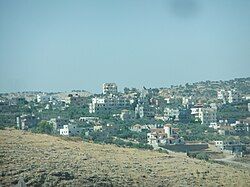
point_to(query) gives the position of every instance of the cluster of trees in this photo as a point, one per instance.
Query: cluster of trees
(198, 155)
(198, 132)
(116, 137)
(122, 143)
(233, 111)
(43, 127)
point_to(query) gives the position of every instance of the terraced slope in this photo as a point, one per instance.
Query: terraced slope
(43, 160)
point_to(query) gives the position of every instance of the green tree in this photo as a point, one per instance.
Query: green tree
(44, 127)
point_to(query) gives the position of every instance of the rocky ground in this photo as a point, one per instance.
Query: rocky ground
(43, 160)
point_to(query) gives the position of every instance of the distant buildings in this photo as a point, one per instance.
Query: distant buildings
(43, 98)
(146, 111)
(127, 115)
(77, 100)
(109, 88)
(171, 114)
(4, 105)
(206, 115)
(232, 147)
(166, 135)
(58, 123)
(70, 130)
(24, 122)
(228, 96)
(108, 104)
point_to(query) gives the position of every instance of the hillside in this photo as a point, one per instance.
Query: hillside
(50, 161)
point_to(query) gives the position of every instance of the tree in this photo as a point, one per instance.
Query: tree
(44, 127)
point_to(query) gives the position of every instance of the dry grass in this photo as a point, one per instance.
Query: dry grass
(50, 161)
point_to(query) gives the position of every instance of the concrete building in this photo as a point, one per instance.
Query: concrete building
(98, 128)
(166, 135)
(206, 115)
(136, 128)
(77, 100)
(228, 96)
(187, 101)
(233, 96)
(58, 123)
(232, 147)
(24, 122)
(127, 115)
(70, 130)
(146, 111)
(43, 98)
(171, 114)
(89, 119)
(108, 104)
(109, 88)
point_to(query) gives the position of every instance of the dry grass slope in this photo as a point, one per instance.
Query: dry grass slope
(43, 160)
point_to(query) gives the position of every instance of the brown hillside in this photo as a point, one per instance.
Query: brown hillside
(43, 160)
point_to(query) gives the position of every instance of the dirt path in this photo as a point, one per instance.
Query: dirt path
(230, 160)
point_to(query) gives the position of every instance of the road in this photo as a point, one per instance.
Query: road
(230, 160)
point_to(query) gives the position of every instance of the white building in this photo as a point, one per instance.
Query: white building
(233, 96)
(186, 101)
(58, 123)
(206, 115)
(70, 130)
(109, 88)
(24, 122)
(171, 113)
(104, 105)
(219, 144)
(228, 96)
(89, 119)
(98, 128)
(43, 98)
(147, 111)
(127, 115)
(165, 135)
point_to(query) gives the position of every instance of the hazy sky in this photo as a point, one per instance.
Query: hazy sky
(58, 45)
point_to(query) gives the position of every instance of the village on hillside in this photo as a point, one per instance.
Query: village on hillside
(185, 118)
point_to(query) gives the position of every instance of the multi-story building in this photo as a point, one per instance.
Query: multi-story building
(43, 98)
(232, 147)
(127, 115)
(233, 96)
(109, 88)
(147, 111)
(186, 101)
(58, 123)
(77, 100)
(206, 115)
(70, 130)
(25, 122)
(107, 104)
(228, 96)
(165, 135)
(171, 114)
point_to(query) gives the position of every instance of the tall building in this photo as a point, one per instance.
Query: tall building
(109, 88)
(206, 115)
(107, 104)
(229, 96)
